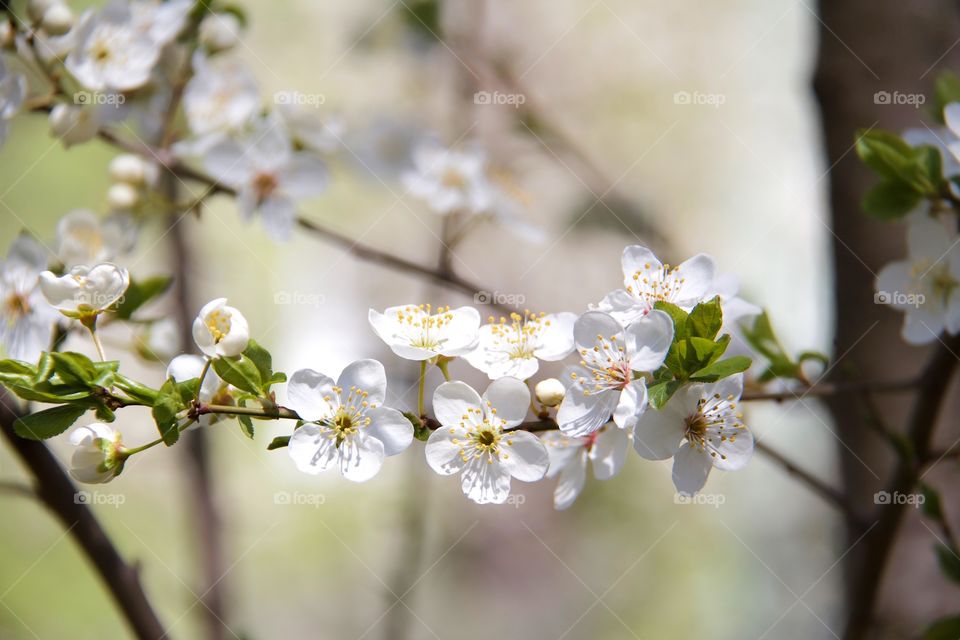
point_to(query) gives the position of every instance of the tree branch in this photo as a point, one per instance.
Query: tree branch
(832, 389)
(58, 493)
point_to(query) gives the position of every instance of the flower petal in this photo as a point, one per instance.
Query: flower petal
(648, 339)
(657, 434)
(609, 451)
(454, 400)
(690, 470)
(593, 324)
(443, 451)
(561, 449)
(360, 457)
(365, 375)
(310, 393)
(631, 405)
(556, 336)
(390, 427)
(510, 398)
(524, 457)
(313, 448)
(485, 483)
(581, 414)
(696, 276)
(572, 479)
(637, 258)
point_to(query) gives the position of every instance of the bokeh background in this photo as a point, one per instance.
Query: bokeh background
(742, 180)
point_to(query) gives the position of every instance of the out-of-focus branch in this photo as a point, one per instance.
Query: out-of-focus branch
(58, 493)
(932, 388)
(832, 389)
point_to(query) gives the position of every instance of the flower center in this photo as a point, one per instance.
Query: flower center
(350, 416)
(218, 323)
(608, 365)
(424, 329)
(656, 283)
(484, 436)
(17, 306)
(264, 184)
(453, 179)
(518, 338)
(715, 422)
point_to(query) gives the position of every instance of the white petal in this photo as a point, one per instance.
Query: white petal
(462, 331)
(561, 449)
(556, 338)
(658, 434)
(921, 327)
(648, 340)
(360, 457)
(452, 401)
(928, 238)
(581, 415)
(443, 454)
(485, 483)
(313, 448)
(592, 324)
(311, 395)
(390, 427)
(696, 275)
(524, 457)
(278, 214)
(511, 399)
(609, 451)
(572, 479)
(365, 375)
(304, 176)
(951, 116)
(734, 453)
(690, 470)
(631, 405)
(637, 258)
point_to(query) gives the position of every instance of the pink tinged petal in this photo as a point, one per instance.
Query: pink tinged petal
(511, 399)
(735, 452)
(609, 451)
(313, 448)
(278, 214)
(581, 415)
(484, 482)
(921, 327)
(631, 405)
(308, 392)
(648, 340)
(304, 176)
(562, 450)
(690, 470)
(594, 323)
(360, 457)
(365, 375)
(556, 338)
(443, 451)
(524, 456)
(452, 401)
(657, 434)
(636, 258)
(390, 427)
(697, 276)
(571, 482)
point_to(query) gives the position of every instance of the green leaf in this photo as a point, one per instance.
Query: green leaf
(136, 391)
(706, 319)
(74, 368)
(661, 392)
(141, 292)
(278, 443)
(944, 629)
(890, 200)
(241, 372)
(49, 422)
(16, 372)
(246, 426)
(168, 404)
(699, 352)
(886, 153)
(949, 562)
(722, 368)
(679, 317)
(931, 502)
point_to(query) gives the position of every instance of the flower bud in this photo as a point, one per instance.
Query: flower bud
(99, 456)
(85, 291)
(37, 8)
(73, 124)
(57, 19)
(220, 330)
(128, 168)
(219, 31)
(122, 196)
(549, 392)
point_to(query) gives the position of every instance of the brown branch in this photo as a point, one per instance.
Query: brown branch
(832, 389)
(932, 385)
(58, 493)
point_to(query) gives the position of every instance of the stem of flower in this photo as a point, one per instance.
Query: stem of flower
(443, 364)
(203, 374)
(90, 322)
(421, 385)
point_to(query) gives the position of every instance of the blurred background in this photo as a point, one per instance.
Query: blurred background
(684, 126)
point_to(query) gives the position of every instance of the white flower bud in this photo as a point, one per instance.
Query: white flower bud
(220, 330)
(85, 291)
(37, 8)
(122, 196)
(58, 19)
(219, 31)
(128, 168)
(549, 392)
(99, 456)
(73, 124)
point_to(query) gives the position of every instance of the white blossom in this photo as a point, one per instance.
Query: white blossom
(514, 347)
(219, 31)
(84, 238)
(188, 366)
(647, 281)
(268, 175)
(346, 425)
(74, 124)
(606, 448)
(925, 286)
(99, 457)
(221, 97)
(417, 332)
(604, 384)
(13, 91)
(476, 439)
(550, 392)
(85, 290)
(700, 428)
(27, 319)
(220, 330)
